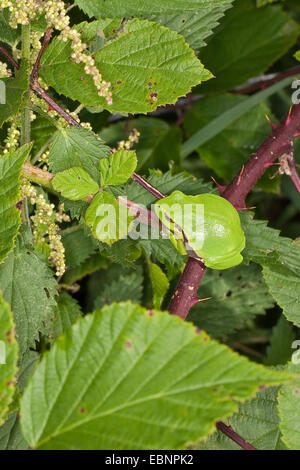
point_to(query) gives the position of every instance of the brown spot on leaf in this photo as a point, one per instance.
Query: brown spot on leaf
(296, 391)
(128, 345)
(119, 82)
(82, 410)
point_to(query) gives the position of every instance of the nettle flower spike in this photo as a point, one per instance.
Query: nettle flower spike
(45, 228)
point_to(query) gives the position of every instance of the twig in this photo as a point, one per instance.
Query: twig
(229, 432)
(36, 67)
(262, 83)
(9, 57)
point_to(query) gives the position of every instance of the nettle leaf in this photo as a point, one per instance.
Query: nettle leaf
(279, 351)
(257, 421)
(113, 8)
(284, 286)
(78, 247)
(162, 251)
(160, 284)
(10, 172)
(234, 57)
(141, 377)
(8, 34)
(195, 26)
(167, 183)
(12, 90)
(117, 285)
(8, 358)
(159, 143)
(75, 184)
(11, 437)
(237, 295)
(77, 146)
(117, 168)
(89, 266)
(194, 20)
(29, 287)
(289, 410)
(147, 65)
(280, 258)
(108, 220)
(66, 312)
(227, 151)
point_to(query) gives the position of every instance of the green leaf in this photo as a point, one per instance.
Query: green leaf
(11, 437)
(229, 150)
(12, 89)
(289, 410)
(77, 146)
(113, 8)
(195, 26)
(75, 184)
(10, 172)
(267, 34)
(160, 284)
(125, 378)
(117, 168)
(78, 247)
(257, 421)
(126, 286)
(8, 358)
(284, 286)
(7, 33)
(89, 266)
(237, 295)
(108, 220)
(29, 287)
(147, 65)
(279, 351)
(67, 312)
(167, 183)
(158, 145)
(217, 125)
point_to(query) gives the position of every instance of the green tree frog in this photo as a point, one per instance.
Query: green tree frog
(206, 227)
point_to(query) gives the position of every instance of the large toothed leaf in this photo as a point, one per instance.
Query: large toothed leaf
(12, 90)
(280, 258)
(130, 379)
(289, 410)
(8, 358)
(194, 20)
(118, 168)
(115, 8)
(147, 65)
(75, 184)
(10, 216)
(29, 287)
(77, 146)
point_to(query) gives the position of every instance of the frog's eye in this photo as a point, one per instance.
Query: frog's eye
(221, 239)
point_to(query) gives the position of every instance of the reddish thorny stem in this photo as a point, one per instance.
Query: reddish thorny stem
(185, 295)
